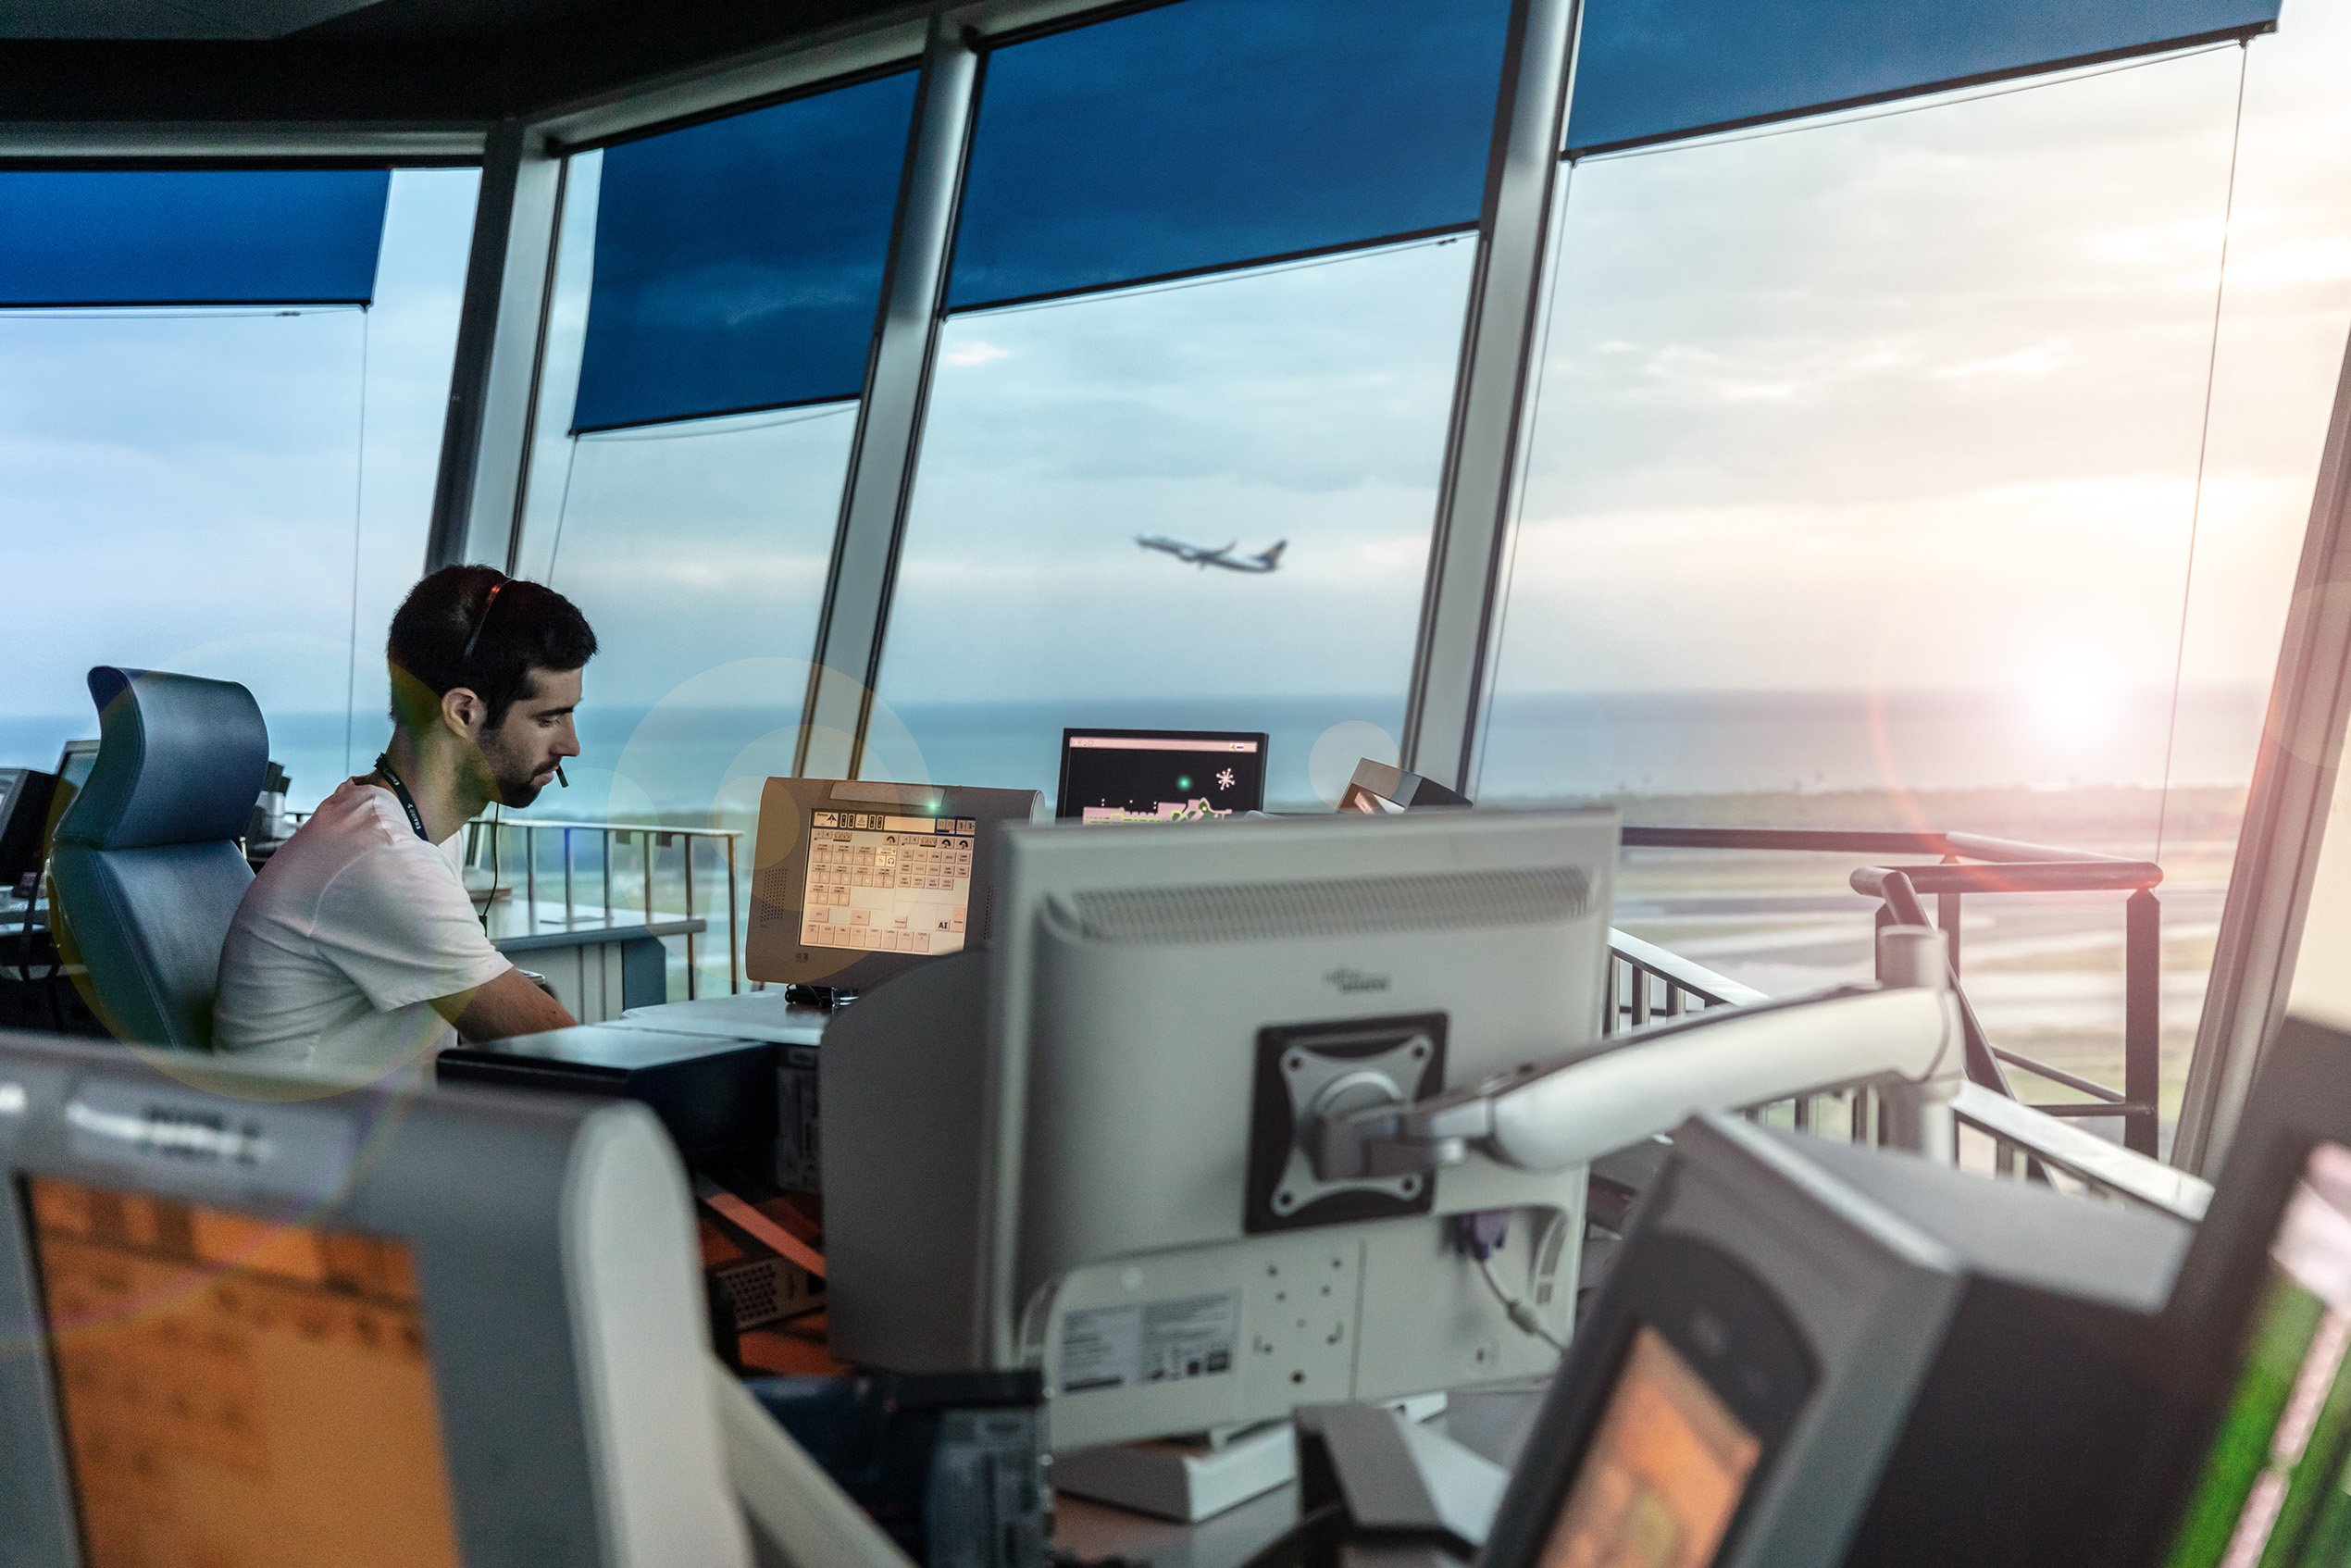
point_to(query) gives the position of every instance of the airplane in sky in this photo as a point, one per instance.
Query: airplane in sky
(1200, 555)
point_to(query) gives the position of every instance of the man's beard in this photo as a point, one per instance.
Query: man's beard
(509, 776)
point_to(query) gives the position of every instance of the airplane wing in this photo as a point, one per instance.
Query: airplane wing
(1256, 564)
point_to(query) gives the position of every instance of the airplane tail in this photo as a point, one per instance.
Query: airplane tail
(1272, 556)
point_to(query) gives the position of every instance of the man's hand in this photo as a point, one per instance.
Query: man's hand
(506, 1006)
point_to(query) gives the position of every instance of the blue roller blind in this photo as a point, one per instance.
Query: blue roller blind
(738, 264)
(1648, 71)
(1211, 133)
(196, 237)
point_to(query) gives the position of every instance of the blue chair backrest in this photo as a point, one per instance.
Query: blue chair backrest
(146, 874)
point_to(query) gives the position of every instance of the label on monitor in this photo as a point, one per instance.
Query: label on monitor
(293, 1151)
(1149, 1342)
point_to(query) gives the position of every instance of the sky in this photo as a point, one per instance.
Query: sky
(190, 491)
(1909, 400)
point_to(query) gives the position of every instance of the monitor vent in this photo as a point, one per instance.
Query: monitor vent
(1253, 911)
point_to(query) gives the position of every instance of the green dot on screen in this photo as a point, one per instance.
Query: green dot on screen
(1184, 781)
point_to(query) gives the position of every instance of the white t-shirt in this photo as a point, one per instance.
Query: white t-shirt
(353, 925)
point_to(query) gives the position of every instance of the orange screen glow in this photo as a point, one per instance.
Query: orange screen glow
(1664, 1475)
(236, 1393)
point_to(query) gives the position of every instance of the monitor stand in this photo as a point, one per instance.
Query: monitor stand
(826, 998)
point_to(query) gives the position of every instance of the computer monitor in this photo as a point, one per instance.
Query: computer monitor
(1379, 789)
(249, 1327)
(24, 823)
(853, 882)
(1112, 776)
(1080, 1151)
(74, 763)
(1818, 1352)
(2249, 1467)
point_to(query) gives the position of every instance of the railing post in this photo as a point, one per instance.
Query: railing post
(1947, 917)
(2142, 1021)
(686, 845)
(1917, 1116)
(734, 934)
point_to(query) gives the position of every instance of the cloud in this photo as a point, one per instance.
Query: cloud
(974, 350)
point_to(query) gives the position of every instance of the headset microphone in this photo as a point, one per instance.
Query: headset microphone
(559, 776)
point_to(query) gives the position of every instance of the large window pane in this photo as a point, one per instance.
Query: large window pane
(242, 493)
(1864, 491)
(741, 268)
(1211, 133)
(1250, 410)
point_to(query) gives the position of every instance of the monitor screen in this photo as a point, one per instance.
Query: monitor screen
(1124, 776)
(75, 762)
(888, 881)
(208, 1364)
(2271, 1487)
(1664, 1475)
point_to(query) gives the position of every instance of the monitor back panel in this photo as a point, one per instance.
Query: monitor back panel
(1152, 992)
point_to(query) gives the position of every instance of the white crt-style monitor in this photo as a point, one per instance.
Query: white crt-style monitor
(855, 882)
(264, 1323)
(1081, 1152)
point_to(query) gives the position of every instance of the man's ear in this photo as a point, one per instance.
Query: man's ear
(462, 710)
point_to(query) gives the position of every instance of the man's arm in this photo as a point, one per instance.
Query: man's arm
(506, 1006)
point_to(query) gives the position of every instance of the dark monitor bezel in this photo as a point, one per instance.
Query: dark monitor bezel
(1710, 1311)
(24, 823)
(776, 959)
(71, 750)
(1064, 810)
(2301, 1098)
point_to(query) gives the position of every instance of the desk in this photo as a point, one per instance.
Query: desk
(598, 967)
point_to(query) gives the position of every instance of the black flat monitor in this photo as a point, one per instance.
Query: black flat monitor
(24, 823)
(73, 771)
(1811, 1351)
(2252, 1469)
(1116, 776)
(853, 882)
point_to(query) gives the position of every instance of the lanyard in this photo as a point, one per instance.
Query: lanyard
(407, 800)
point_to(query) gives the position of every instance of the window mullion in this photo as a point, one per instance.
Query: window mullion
(1458, 608)
(890, 418)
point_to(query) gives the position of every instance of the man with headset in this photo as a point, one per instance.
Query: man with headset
(358, 945)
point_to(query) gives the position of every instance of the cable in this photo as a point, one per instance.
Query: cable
(1522, 1317)
(2203, 452)
(497, 816)
(358, 534)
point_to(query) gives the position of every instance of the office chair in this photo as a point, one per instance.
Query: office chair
(146, 873)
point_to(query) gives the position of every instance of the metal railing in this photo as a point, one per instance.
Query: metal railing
(1997, 1136)
(630, 869)
(1973, 862)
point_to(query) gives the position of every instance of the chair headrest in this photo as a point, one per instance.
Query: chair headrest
(180, 761)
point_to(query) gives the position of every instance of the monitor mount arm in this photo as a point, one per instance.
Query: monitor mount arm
(1900, 1037)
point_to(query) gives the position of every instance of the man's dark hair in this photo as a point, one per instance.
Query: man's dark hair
(511, 626)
